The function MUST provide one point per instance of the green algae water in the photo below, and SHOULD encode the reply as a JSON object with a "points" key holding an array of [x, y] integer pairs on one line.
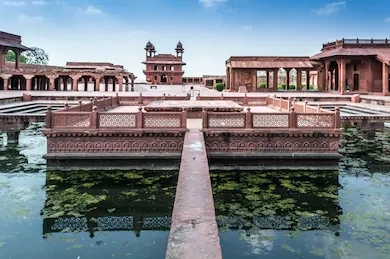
{"points": [[310, 214], [84, 215], [340, 214]]}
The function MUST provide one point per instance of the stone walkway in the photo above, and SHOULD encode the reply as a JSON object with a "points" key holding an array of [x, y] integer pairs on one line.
{"points": [[194, 230]]}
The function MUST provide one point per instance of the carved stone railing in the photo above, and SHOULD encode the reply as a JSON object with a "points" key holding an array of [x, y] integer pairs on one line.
{"points": [[242, 100], [281, 120], [144, 100], [356, 42], [281, 104], [102, 103], [112, 120]]}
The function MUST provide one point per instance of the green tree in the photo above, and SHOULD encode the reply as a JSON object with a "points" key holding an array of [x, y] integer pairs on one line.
{"points": [[34, 56], [12, 57]]}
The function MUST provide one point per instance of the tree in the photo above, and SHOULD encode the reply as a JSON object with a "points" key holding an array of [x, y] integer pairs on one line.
{"points": [[12, 57], [34, 56]]}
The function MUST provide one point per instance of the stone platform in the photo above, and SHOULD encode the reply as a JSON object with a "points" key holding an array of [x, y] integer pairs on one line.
{"points": [[194, 230], [194, 106]]}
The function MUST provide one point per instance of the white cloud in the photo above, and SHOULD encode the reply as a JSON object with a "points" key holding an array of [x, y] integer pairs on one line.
{"points": [[210, 3], [14, 3], [387, 19], [92, 10], [24, 17], [39, 2], [330, 8]]}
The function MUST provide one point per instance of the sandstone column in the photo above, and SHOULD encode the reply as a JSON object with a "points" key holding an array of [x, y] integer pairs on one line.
{"points": [[385, 78], [287, 78], [275, 78], [6, 81], [28, 81], [17, 59], [51, 82], [299, 80], [120, 81], [342, 75], [308, 79], [266, 79], [97, 84], [75, 83]]}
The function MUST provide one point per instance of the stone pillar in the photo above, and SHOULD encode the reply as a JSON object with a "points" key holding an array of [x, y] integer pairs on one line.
{"points": [[3, 52], [13, 137], [120, 81], [6, 81], [385, 78], [97, 84], [307, 79], [287, 78], [75, 83], [266, 79], [326, 86], [275, 83], [51, 83], [299, 80], [28, 82], [17, 60], [342, 75]]}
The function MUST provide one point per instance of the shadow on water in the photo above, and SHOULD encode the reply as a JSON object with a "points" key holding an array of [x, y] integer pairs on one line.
{"points": [[310, 214], [86, 215]]}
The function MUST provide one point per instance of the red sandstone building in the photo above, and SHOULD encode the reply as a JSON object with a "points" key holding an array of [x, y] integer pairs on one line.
{"points": [[164, 69], [19, 76], [360, 65]]}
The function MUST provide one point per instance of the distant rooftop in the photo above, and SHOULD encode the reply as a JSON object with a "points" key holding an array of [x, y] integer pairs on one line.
{"points": [[357, 43]]}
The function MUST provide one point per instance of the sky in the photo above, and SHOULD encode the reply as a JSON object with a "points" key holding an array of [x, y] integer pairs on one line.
{"points": [[116, 31]]}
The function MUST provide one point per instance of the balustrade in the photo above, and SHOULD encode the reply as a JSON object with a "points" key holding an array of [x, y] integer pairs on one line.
{"points": [[112, 120]]}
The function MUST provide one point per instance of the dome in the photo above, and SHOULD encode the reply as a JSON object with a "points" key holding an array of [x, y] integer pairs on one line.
{"points": [[179, 45], [100, 70], [149, 45]]}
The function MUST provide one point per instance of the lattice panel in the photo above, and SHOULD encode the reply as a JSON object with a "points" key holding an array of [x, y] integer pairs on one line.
{"points": [[71, 119], [113, 223], [162, 120], [117, 120], [129, 102], [315, 120], [157, 223], [270, 120], [226, 120], [71, 224]]}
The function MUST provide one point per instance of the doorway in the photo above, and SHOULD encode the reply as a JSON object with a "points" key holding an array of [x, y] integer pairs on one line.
{"points": [[163, 78], [356, 82]]}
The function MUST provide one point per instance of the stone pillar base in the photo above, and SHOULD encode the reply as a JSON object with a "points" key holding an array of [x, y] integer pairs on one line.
{"points": [[13, 137]]}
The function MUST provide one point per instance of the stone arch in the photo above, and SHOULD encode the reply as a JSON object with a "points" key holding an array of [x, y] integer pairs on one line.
{"points": [[63, 83], [281, 79], [109, 80], [334, 76], [40, 83], [17, 82], [164, 78], [293, 79]]}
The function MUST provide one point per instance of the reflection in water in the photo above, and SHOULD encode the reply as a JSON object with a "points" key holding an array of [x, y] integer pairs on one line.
{"points": [[80, 214], [258, 203], [108, 201], [260, 215], [289, 214]]}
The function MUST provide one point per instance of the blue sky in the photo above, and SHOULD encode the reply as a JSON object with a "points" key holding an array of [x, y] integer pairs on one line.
{"points": [[210, 30]]}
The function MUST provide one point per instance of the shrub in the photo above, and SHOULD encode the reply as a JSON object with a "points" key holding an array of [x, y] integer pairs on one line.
{"points": [[262, 85], [219, 87], [282, 87], [291, 87], [311, 87]]}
